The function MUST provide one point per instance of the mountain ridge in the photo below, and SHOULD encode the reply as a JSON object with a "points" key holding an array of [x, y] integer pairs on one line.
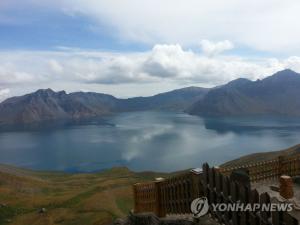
{"points": [[273, 95], [46, 104]]}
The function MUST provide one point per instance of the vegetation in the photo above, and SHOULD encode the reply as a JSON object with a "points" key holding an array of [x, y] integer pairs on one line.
{"points": [[52, 198], [46, 198], [263, 156]]}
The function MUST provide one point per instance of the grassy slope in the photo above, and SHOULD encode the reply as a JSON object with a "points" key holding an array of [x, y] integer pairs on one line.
{"points": [[258, 157], [81, 199]]}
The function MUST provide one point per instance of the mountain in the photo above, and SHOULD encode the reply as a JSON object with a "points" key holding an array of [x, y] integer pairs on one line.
{"points": [[45, 104], [274, 95], [176, 100]]}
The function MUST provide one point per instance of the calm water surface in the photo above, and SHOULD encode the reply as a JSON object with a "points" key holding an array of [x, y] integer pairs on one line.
{"points": [[159, 141]]}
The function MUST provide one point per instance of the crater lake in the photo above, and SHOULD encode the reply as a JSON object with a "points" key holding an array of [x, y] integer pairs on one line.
{"points": [[156, 141]]}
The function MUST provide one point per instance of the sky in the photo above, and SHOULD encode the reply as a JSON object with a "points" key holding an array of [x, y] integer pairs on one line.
{"points": [[142, 47]]}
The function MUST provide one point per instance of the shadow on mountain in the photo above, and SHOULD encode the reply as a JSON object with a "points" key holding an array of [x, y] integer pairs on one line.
{"points": [[54, 125], [240, 125]]}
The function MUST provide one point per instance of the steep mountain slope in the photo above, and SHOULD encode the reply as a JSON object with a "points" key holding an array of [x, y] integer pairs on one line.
{"points": [[44, 105], [100, 103], [177, 100], [274, 95]]}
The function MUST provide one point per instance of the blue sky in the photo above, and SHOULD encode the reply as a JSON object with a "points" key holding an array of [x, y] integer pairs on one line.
{"points": [[46, 29], [43, 30], [140, 47]]}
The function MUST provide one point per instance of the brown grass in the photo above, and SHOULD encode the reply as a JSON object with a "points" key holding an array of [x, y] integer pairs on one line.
{"points": [[83, 199]]}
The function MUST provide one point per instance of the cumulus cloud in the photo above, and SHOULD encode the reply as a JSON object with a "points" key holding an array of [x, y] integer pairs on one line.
{"points": [[168, 61], [214, 48], [163, 64]]}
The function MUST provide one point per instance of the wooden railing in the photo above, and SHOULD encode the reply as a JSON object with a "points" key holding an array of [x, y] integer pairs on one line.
{"points": [[146, 197], [169, 196], [218, 188], [174, 195], [178, 192]]}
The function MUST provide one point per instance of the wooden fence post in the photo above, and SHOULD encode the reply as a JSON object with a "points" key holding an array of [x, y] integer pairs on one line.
{"points": [[281, 169], [135, 199], [196, 186], [159, 209]]}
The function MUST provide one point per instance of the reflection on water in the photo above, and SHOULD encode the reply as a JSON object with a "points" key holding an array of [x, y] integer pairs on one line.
{"points": [[247, 124], [157, 141]]}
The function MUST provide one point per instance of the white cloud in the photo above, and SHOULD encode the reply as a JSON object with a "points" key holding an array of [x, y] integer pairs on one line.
{"points": [[210, 48], [268, 25], [164, 66], [4, 93], [10, 76], [55, 66]]}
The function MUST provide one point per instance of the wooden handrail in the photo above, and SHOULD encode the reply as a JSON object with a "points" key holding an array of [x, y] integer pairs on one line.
{"points": [[175, 194]]}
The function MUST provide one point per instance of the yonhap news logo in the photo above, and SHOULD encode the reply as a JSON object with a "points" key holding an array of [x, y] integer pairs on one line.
{"points": [[199, 207]]}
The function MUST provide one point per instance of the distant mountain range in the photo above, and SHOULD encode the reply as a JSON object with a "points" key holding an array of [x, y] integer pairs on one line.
{"points": [[47, 105], [278, 94]]}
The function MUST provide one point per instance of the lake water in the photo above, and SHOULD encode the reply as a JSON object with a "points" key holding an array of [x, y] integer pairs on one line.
{"points": [[157, 141]]}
